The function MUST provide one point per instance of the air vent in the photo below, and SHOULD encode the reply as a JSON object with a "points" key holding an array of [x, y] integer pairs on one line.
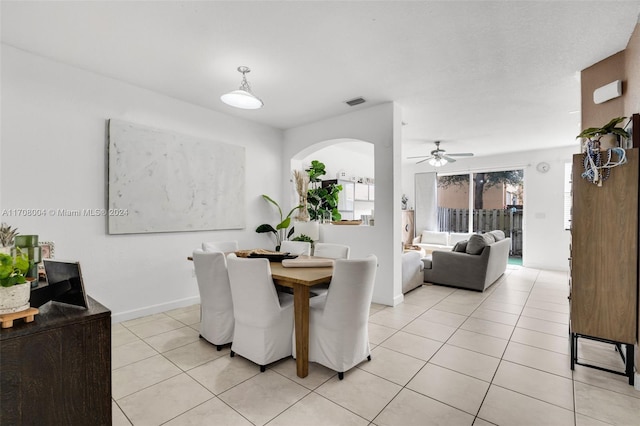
{"points": [[355, 101]]}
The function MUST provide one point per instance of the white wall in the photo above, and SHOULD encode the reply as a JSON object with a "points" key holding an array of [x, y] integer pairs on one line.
{"points": [[379, 125], [545, 242], [54, 157]]}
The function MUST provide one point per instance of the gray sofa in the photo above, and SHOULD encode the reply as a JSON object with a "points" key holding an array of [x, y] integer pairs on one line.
{"points": [[475, 264]]}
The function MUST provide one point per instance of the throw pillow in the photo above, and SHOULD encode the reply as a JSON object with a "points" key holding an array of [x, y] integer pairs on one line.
{"points": [[476, 244], [461, 246], [489, 238], [434, 237], [498, 235]]}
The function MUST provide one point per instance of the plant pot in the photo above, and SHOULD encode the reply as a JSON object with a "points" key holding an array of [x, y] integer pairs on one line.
{"points": [[15, 298]]}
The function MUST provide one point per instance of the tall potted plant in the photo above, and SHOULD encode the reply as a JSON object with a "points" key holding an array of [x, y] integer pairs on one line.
{"points": [[322, 201], [281, 231]]}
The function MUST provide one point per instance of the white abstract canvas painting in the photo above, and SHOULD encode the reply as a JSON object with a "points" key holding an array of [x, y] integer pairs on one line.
{"points": [[166, 182]]}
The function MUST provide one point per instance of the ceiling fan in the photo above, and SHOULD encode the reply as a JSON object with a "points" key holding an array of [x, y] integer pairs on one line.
{"points": [[438, 157]]}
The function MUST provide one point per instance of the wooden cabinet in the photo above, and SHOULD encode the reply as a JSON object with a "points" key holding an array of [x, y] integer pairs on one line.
{"points": [[604, 256], [57, 369]]}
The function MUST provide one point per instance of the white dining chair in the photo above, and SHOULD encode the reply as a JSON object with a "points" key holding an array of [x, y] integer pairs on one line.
{"points": [[223, 246], [296, 247], [332, 251], [338, 329], [263, 316], [216, 305]]}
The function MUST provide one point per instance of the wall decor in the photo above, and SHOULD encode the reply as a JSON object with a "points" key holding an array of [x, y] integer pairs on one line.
{"points": [[166, 182]]}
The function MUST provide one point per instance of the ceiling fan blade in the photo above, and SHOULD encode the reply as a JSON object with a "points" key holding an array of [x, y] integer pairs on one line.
{"points": [[426, 159], [418, 156], [462, 154], [449, 159]]}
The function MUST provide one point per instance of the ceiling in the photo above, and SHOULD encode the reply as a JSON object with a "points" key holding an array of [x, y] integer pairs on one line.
{"points": [[482, 76]]}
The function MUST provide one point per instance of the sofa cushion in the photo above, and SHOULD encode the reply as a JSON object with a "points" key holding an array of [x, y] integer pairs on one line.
{"points": [[477, 243], [434, 237], [455, 237], [498, 235], [461, 246]]}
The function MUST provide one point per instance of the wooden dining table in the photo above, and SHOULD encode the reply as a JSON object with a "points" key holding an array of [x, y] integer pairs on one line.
{"points": [[301, 280]]}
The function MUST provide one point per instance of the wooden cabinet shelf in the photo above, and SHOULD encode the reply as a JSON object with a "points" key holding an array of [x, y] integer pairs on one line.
{"points": [[604, 254]]}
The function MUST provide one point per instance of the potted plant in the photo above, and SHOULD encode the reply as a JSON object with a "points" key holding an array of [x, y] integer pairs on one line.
{"points": [[7, 234], [610, 132], [280, 231], [322, 202], [15, 290]]}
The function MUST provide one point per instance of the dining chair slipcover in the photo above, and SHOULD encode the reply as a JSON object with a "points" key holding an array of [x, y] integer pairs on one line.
{"points": [[296, 247], [223, 246], [264, 317], [338, 329], [216, 306], [332, 251]]}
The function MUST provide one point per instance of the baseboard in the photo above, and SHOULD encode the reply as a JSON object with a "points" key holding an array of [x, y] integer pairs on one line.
{"points": [[398, 299], [154, 309]]}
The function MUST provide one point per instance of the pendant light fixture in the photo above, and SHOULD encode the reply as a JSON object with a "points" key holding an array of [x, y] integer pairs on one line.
{"points": [[243, 97]]}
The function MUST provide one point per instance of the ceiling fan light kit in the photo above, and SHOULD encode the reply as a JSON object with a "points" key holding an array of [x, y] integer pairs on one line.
{"points": [[439, 158], [243, 97]]}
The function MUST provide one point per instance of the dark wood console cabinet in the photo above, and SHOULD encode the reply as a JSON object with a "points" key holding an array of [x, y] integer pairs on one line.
{"points": [[57, 369]]}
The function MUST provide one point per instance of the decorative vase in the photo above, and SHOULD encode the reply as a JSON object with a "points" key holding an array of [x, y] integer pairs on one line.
{"points": [[5, 249], [15, 298]]}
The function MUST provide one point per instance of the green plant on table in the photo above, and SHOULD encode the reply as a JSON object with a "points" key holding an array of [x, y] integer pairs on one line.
{"points": [[280, 231], [13, 269]]}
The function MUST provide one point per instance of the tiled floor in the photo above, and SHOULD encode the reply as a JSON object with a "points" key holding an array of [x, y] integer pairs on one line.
{"points": [[443, 357]]}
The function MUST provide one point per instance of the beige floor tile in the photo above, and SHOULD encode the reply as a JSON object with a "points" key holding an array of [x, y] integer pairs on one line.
{"points": [[390, 319], [505, 407], [467, 297], [599, 353], [582, 420], [410, 408], [130, 353], [502, 307], [556, 390], [155, 327], [188, 318], [375, 307], [407, 309], [195, 326], [423, 299], [543, 326], [392, 365], [449, 386], [456, 308], [605, 380], [490, 328], [379, 333], [139, 375], [360, 392], [430, 330], [479, 422], [264, 396], [562, 318], [175, 313], [318, 374], [412, 345], [495, 316], [541, 359], [442, 317], [120, 335], [172, 339], [467, 362], [211, 412], [518, 298], [314, 410], [542, 340], [224, 373], [142, 320], [164, 401], [605, 405], [562, 307], [194, 354], [117, 416], [482, 343]]}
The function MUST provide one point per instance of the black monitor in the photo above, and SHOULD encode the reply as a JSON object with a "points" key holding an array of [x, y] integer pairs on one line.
{"points": [[64, 283]]}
